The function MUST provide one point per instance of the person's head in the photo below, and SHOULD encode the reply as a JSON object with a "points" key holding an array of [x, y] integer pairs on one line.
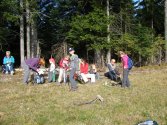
{"points": [[7, 53], [113, 61], [51, 60], [83, 61], [121, 53], [41, 62], [71, 51], [93, 66], [67, 57]]}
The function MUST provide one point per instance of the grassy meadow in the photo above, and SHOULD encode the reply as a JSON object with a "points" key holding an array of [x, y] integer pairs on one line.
{"points": [[48, 104]]}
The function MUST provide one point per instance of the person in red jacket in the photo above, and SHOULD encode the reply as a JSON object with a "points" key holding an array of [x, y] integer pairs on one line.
{"points": [[84, 67], [64, 66]]}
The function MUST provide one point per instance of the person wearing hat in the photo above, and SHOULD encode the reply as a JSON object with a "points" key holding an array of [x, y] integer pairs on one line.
{"points": [[8, 62], [74, 66]]}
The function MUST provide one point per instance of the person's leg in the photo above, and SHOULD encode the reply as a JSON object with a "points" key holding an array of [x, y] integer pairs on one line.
{"points": [[97, 76], [124, 78], [49, 76], [11, 69], [64, 76], [127, 79], [72, 80], [26, 73], [84, 77], [53, 76], [92, 77], [110, 75], [60, 75], [6, 69]]}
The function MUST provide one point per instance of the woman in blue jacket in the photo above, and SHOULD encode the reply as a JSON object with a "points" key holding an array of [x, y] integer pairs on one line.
{"points": [[8, 62]]}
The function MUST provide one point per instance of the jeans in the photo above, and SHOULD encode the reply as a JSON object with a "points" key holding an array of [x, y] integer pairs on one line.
{"points": [[26, 72], [51, 76], [72, 80], [9, 67], [125, 81]]}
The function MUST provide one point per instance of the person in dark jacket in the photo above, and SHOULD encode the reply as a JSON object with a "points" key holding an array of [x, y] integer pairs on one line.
{"points": [[31, 64], [74, 66]]}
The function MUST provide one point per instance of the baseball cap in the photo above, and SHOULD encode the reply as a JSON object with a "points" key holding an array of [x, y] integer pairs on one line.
{"points": [[70, 49]]}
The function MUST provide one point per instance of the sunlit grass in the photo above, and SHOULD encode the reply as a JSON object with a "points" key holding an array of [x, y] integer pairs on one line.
{"points": [[54, 105]]}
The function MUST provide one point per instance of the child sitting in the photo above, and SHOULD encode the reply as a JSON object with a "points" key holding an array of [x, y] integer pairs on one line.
{"points": [[93, 70]]}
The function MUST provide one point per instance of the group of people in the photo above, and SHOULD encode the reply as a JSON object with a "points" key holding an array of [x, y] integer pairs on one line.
{"points": [[70, 63], [113, 72]]}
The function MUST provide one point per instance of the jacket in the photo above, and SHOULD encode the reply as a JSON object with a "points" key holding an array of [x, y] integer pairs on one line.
{"points": [[33, 63], [8, 60], [84, 68]]}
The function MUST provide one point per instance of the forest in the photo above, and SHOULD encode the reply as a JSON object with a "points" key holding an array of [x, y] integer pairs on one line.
{"points": [[96, 29]]}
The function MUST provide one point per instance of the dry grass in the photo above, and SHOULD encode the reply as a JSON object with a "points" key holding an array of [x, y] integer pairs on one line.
{"points": [[49, 104]]}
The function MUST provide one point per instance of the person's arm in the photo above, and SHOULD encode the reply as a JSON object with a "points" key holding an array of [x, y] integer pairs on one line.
{"points": [[76, 62], [12, 59], [4, 61]]}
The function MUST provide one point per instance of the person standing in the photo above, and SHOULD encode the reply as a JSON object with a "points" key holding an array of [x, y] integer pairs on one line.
{"points": [[8, 62], [64, 65], [124, 59], [52, 68], [74, 66]]}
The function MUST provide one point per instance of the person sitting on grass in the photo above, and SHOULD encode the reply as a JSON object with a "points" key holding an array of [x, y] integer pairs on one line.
{"points": [[31, 64], [93, 70], [113, 72], [51, 73], [8, 62], [84, 72]]}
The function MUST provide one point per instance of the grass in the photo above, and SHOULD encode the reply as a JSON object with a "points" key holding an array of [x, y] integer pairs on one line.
{"points": [[54, 105]]}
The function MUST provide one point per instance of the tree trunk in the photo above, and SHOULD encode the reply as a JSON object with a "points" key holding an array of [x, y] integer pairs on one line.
{"points": [[140, 60], [28, 28], [34, 40], [102, 59], [165, 31], [160, 55], [21, 33], [97, 58], [108, 31]]}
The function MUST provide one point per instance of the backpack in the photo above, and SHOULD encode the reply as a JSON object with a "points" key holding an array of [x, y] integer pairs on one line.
{"points": [[39, 79], [130, 63]]}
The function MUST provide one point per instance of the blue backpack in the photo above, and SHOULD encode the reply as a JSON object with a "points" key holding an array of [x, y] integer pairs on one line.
{"points": [[130, 63], [39, 79]]}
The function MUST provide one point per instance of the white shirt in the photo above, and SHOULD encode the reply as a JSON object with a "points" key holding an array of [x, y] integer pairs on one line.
{"points": [[52, 67]]}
